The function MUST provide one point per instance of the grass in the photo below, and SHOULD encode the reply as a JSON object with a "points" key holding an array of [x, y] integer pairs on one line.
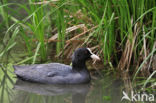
{"points": [[122, 32]]}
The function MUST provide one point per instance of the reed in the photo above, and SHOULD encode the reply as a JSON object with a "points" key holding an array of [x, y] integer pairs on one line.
{"points": [[120, 30]]}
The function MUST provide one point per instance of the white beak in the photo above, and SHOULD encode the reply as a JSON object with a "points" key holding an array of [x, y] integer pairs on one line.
{"points": [[93, 56]]}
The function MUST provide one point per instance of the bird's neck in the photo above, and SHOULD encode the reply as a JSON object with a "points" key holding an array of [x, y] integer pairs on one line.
{"points": [[78, 65]]}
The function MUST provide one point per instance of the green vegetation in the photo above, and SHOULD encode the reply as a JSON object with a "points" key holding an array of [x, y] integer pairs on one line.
{"points": [[121, 32]]}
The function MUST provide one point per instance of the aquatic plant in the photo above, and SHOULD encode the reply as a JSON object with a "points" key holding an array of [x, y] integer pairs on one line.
{"points": [[122, 32]]}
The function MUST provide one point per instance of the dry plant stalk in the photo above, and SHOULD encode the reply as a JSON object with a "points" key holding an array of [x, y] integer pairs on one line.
{"points": [[127, 54], [153, 59], [44, 2], [77, 36], [144, 69], [68, 30]]}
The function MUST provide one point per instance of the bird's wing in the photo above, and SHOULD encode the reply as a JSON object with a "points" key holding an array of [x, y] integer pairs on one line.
{"points": [[40, 71]]}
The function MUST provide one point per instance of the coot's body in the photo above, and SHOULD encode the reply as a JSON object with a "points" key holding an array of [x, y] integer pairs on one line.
{"points": [[56, 73], [53, 73]]}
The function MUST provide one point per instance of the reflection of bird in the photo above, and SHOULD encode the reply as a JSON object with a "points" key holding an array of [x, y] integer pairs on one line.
{"points": [[56, 73], [125, 96], [51, 90], [78, 91]]}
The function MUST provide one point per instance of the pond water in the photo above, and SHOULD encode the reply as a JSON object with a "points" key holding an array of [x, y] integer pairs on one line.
{"points": [[12, 90], [103, 89]]}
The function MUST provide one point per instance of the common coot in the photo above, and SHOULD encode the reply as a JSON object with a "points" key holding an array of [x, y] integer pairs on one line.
{"points": [[56, 73]]}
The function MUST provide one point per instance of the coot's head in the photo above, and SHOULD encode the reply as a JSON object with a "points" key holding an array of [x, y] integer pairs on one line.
{"points": [[81, 55]]}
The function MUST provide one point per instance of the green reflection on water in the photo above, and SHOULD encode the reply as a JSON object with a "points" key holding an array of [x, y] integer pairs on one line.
{"points": [[6, 83]]}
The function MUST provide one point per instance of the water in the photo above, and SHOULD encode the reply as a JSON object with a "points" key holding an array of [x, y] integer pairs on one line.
{"points": [[12, 90]]}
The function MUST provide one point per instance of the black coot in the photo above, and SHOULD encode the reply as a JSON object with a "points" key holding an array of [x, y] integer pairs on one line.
{"points": [[56, 73]]}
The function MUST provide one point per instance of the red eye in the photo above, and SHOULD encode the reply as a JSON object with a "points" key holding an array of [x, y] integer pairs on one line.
{"points": [[86, 52]]}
